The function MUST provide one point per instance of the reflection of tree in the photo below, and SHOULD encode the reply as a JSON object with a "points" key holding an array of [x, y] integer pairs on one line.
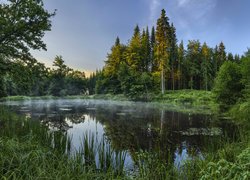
{"points": [[62, 121], [153, 131], [137, 128]]}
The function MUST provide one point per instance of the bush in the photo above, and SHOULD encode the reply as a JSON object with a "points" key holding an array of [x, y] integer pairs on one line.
{"points": [[229, 170], [228, 85]]}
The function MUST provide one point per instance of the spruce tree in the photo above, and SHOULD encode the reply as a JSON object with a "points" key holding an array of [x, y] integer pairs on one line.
{"points": [[134, 51], [206, 66], [222, 56], [181, 56], [152, 50], [173, 54], [163, 46], [146, 50]]}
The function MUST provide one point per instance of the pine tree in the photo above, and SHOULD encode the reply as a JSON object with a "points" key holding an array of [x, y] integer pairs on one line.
{"points": [[193, 63], [152, 53], [173, 54], [146, 50], [134, 51], [112, 64], [163, 46], [181, 56], [222, 56], [230, 57], [206, 66]]}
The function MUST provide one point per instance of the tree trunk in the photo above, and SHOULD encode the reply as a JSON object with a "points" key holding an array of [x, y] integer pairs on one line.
{"points": [[162, 81]]}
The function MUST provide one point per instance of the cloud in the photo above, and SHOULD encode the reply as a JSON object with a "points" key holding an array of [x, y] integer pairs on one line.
{"points": [[154, 9], [182, 2], [195, 11]]}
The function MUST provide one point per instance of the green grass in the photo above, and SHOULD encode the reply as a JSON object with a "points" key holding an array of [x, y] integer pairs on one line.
{"points": [[33, 152], [187, 101], [30, 152]]}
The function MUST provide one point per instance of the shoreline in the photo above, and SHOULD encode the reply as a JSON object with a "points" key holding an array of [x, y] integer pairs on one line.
{"points": [[186, 101]]}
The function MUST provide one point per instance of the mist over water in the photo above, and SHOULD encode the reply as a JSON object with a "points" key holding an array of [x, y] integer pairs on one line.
{"points": [[128, 126]]}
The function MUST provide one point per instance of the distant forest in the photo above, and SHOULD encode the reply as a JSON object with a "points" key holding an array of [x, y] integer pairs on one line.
{"points": [[151, 62], [154, 61]]}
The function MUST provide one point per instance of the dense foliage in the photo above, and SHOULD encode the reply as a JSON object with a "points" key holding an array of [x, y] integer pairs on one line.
{"points": [[154, 61], [151, 62], [232, 84], [23, 25]]}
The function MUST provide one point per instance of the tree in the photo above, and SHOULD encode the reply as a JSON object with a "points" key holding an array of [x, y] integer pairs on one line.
{"points": [[146, 50], [206, 69], [75, 83], [222, 55], [152, 48], [230, 57], [112, 64], [181, 56], [163, 46], [228, 85], [193, 63], [57, 85], [173, 54], [134, 51], [23, 23]]}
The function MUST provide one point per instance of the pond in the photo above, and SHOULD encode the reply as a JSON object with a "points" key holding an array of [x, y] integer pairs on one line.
{"points": [[130, 127]]}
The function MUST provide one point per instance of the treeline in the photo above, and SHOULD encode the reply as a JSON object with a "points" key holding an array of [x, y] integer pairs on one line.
{"points": [[154, 61], [32, 78]]}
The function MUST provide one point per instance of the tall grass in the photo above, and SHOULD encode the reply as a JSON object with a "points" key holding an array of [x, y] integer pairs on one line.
{"points": [[29, 150]]}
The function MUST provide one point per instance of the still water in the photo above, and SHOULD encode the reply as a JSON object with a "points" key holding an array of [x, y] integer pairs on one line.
{"points": [[130, 127]]}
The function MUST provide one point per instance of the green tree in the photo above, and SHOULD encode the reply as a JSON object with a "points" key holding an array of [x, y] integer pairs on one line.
{"points": [[152, 49], [180, 72], [146, 51], [173, 55], [112, 64], [134, 51], [193, 63], [163, 47], [228, 85], [23, 23], [57, 85], [222, 55], [206, 66], [230, 57], [75, 83]]}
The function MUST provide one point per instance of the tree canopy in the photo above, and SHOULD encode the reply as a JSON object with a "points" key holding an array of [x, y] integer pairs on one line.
{"points": [[23, 25]]}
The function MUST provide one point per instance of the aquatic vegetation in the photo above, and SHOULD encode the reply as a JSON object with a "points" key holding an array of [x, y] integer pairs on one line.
{"points": [[223, 169], [51, 150]]}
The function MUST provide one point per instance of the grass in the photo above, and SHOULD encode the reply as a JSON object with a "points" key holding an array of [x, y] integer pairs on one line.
{"points": [[187, 101], [33, 152]]}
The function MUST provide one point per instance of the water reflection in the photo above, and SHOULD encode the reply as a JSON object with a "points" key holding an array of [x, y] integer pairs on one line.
{"points": [[129, 126]]}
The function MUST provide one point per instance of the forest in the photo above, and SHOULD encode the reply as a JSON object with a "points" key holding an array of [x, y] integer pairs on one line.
{"points": [[150, 63]]}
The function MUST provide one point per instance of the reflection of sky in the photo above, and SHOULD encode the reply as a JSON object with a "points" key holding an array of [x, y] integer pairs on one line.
{"points": [[91, 127], [139, 116], [181, 155]]}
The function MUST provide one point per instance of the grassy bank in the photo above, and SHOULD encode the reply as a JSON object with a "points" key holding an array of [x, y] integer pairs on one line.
{"points": [[33, 152], [30, 152], [191, 101]]}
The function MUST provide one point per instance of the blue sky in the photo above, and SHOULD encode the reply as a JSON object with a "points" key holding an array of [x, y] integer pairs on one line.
{"points": [[83, 31]]}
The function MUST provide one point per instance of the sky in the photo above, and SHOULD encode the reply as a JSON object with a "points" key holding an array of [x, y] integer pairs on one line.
{"points": [[83, 31]]}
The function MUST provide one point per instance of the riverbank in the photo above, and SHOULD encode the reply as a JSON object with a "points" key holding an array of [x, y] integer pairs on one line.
{"points": [[231, 160], [191, 101], [31, 152]]}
